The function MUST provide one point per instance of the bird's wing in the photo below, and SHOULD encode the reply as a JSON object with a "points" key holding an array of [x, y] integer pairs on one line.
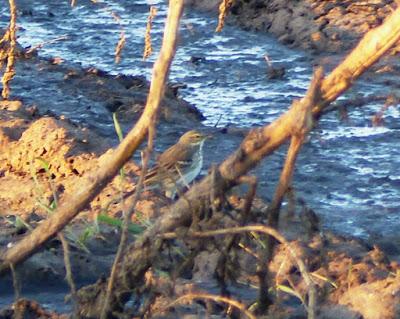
{"points": [[174, 155]]}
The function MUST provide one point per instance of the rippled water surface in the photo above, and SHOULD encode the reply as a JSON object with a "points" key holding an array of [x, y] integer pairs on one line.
{"points": [[348, 172]]}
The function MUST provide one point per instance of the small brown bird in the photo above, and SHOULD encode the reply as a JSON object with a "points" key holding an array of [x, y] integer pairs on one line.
{"points": [[179, 165]]}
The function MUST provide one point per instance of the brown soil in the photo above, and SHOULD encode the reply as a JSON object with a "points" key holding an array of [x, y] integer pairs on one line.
{"points": [[316, 26]]}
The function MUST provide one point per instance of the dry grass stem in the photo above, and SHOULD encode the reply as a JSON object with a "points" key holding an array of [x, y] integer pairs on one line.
{"points": [[10, 71], [251, 181], [291, 201], [213, 196], [231, 302], [41, 45], [4, 43], [119, 47], [223, 12], [148, 49], [122, 39]]}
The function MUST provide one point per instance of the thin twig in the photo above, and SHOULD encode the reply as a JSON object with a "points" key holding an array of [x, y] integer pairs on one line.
{"points": [[213, 197], [16, 283], [251, 181], [66, 252], [128, 216], [231, 302], [42, 44], [68, 270], [291, 200]]}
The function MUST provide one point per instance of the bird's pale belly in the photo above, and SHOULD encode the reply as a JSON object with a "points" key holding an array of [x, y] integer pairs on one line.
{"points": [[192, 174], [185, 179]]}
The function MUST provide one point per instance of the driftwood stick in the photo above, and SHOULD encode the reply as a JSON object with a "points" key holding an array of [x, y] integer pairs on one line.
{"points": [[299, 132], [91, 186], [259, 143]]}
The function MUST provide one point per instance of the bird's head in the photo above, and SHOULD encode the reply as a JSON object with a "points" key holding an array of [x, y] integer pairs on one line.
{"points": [[193, 137]]}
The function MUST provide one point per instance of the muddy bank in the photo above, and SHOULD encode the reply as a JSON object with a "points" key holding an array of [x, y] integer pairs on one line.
{"points": [[316, 26]]}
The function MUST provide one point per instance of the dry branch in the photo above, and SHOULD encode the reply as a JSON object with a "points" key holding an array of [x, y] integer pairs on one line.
{"points": [[259, 143], [91, 186]]}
